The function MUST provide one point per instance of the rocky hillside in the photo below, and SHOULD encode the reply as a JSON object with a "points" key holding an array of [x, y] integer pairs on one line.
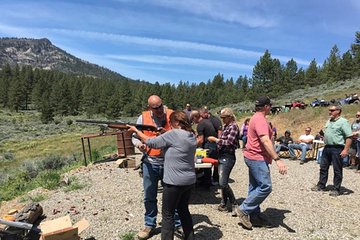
{"points": [[41, 53]]}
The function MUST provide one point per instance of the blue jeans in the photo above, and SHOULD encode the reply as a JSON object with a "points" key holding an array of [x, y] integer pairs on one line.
{"points": [[244, 140], [280, 147], [302, 147], [152, 174], [260, 186], [226, 164]]}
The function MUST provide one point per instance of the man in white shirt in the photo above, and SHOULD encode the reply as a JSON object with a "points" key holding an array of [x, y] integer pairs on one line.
{"points": [[304, 144]]}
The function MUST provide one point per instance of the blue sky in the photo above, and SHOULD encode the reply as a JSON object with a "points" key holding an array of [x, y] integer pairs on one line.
{"points": [[188, 40]]}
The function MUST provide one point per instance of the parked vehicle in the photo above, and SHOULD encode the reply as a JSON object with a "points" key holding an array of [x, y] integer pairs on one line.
{"points": [[298, 104], [319, 103], [352, 98]]}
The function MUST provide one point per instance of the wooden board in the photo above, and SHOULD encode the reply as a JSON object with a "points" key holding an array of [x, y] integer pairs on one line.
{"points": [[70, 233], [56, 224]]}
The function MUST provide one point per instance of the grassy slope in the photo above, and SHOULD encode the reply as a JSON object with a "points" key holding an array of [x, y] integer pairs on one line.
{"points": [[24, 138], [296, 120]]}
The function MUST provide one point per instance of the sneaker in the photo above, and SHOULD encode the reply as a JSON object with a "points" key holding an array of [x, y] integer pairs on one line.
{"points": [[334, 193], [317, 188], [145, 233], [222, 208], [302, 162], [244, 219], [293, 158], [233, 210], [260, 221]]}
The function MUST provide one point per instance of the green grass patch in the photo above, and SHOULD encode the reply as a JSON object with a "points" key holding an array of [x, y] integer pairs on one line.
{"points": [[75, 184], [128, 236], [35, 198]]}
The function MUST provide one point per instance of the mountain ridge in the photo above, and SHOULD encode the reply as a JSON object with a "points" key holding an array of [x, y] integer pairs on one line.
{"points": [[41, 53]]}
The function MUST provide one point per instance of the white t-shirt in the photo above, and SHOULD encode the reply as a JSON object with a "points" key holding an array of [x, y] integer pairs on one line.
{"points": [[305, 137]]}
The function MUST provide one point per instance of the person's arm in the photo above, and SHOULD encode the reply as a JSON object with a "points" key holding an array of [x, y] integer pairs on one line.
{"points": [[135, 138], [139, 133], [200, 140], [345, 151], [265, 140]]}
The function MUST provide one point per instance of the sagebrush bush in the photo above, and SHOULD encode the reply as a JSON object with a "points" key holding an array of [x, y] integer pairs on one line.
{"points": [[53, 162], [48, 179], [9, 156], [69, 122], [31, 169]]}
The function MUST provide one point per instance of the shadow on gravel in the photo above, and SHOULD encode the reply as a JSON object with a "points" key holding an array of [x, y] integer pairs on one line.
{"points": [[277, 217], [204, 194], [204, 228], [343, 190]]}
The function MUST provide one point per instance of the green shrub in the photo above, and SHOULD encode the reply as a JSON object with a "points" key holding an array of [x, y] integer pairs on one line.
{"points": [[53, 162], [128, 236], [75, 184], [69, 122], [9, 156], [15, 186], [48, 179], [95, 155], [31, 169]]}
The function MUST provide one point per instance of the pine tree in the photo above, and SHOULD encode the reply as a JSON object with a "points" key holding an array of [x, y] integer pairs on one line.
{"points": [[355, 50], [346, 67], [311, 74], [333, 67], [5, 79]]}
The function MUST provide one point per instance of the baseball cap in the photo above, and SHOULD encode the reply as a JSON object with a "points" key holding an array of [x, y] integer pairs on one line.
{"points": [[262, 101]]}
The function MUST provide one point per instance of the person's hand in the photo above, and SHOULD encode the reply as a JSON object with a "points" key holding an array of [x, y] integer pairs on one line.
{"points": [[141, 147], [132, 128], [281, 166], [343, 153], [212, 139]]}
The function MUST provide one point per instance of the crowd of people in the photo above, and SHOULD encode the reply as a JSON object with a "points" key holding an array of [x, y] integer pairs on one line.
{"points": [[168, 158]]}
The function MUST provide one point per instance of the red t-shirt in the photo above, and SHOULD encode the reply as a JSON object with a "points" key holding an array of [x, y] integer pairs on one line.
{"points": [[254, 149]]}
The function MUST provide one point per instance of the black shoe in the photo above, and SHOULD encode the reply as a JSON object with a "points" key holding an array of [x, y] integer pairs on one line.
{"points": [[302, 162], [222, 208], [334, 193], [179, 232], [259, 221], [293, 158], [317, 188]]}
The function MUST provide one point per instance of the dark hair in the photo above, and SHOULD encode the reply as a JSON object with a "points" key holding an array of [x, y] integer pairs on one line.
{"points": [[247, 120], [183, 120]]}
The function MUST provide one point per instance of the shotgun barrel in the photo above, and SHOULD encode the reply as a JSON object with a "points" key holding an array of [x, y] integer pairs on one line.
{"points": [[119, 125]]}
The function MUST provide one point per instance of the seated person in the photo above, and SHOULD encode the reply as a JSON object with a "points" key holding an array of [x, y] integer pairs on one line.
{"points": [[304, 143], [283, 142]]}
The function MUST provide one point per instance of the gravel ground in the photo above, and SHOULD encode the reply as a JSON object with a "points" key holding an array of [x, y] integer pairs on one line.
{"points": [[113, 204]]}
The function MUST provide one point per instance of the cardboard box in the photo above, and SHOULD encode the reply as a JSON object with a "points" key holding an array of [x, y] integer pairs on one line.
{"points": [[62, 229]]}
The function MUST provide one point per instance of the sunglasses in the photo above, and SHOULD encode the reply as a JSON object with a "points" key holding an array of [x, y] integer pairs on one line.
{"points": [[332, 110], [357, 115], [158, 107]]}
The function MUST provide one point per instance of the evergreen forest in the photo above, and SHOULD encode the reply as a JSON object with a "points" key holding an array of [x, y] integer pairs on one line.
{"points": [[56, 93]]}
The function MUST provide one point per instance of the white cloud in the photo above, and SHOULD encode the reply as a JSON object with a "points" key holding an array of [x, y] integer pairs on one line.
{"points": [[181, 61], [249, 13]]}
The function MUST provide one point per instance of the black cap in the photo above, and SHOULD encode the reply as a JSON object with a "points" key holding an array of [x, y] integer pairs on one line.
{"points": [[262, 101]]}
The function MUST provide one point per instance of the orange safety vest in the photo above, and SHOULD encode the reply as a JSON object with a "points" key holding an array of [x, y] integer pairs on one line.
{"points": [[147, 120]]}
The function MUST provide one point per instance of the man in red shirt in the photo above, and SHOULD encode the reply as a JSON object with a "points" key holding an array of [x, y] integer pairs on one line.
{"points": [[258, 154]]}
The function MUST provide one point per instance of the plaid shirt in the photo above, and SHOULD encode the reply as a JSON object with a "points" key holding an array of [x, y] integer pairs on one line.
{"points": [[229, 139]]}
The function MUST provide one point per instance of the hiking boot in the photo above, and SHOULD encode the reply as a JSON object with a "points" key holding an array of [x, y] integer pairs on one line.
{"points": [[222, 208], [293, 158], [234, 208], [302, 162], [317, 188], [259, 221], [334, 193], [145, 233], [244, 219]]}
